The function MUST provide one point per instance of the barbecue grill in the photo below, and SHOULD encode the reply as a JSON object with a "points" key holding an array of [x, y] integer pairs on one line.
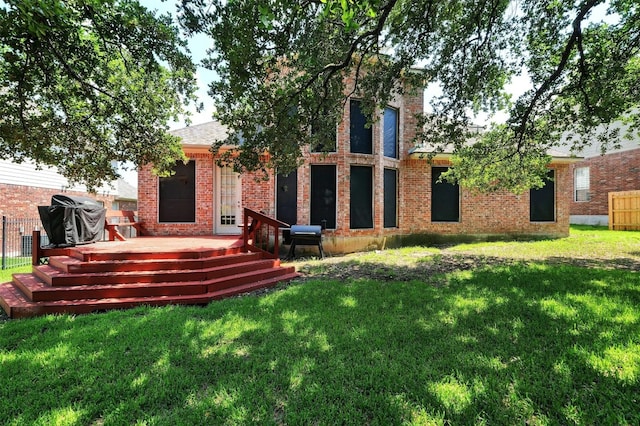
{"points": [[305, 235], [72, 220]]}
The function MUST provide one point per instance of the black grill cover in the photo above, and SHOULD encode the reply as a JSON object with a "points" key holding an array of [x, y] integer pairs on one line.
{"points": [[72, 220]]}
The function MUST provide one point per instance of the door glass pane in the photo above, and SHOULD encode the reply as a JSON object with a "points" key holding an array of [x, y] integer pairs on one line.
{"points": [[542, 206], [445, 198], [228, 196], [287, 198]]}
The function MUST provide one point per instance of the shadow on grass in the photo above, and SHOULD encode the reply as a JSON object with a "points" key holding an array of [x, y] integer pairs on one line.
{"points": [[502, 345]]}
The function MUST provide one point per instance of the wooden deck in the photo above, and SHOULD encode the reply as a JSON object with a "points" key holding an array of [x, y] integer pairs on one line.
{"points": [[140, 271]]}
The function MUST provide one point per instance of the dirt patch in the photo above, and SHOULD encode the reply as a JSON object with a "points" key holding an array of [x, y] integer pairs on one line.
{"points": [[422, 266], [350, 268]]}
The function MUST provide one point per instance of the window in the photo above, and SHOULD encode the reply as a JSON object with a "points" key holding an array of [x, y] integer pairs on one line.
{"points": [[390, 136], [581, 184], [359, 133], [390, 198], [445, 198], [177, 195], [542, 207], [361, 204], [325, 141], [323, 195], [287, 197]]}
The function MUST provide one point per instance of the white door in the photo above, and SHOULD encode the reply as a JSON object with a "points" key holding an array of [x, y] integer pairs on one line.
{"points": [[228, 201]]}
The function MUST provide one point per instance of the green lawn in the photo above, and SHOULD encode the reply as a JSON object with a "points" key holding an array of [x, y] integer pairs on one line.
{"points": [[456, 335]]}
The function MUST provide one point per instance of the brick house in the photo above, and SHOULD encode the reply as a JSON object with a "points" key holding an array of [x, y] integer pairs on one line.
{"points": [[376, 190], [597, 175]]}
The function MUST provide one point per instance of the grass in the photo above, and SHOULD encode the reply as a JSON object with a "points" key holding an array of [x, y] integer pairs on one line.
{"points": [[593, 243], [5, 274], [535, 341]]}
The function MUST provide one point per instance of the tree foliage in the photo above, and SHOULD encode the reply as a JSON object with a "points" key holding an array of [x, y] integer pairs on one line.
{"points": [[84, 83], [281, 67]]}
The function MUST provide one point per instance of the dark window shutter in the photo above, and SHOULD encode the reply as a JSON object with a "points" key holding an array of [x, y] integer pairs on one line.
{"points": [[542, 206], [177, 203], [361, 204], [323, 195], [445, 198]]}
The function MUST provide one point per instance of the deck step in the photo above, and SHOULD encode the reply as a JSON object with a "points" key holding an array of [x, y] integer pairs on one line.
{"points": [[55, 277], [96, 256], [36, 290], [75, 265], [79, 280], [17, 305]]}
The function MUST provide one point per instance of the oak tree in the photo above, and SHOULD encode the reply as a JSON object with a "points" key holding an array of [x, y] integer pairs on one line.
{"points": [[86, 83], [281, 66]]}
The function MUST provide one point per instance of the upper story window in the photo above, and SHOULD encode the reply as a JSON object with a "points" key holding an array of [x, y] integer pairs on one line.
{"points": [[360, 134], [325, 139], [581, 184], [326, 142], [390, 135]]}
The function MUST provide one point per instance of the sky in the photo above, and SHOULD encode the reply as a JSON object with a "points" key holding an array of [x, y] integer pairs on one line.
{"points": [[198, 46]]}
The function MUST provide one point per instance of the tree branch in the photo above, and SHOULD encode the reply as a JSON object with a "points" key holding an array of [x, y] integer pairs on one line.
{"points": [[330, 70], [566, 54]]}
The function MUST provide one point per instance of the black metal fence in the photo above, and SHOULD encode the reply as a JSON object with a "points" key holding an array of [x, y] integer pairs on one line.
{"points": [[16, 241]]}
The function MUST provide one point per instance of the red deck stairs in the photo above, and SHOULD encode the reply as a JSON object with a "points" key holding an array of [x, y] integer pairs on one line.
{"points": [[81, 282]]}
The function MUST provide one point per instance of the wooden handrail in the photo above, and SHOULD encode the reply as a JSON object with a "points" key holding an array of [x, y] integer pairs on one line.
{"points": [[38, 253], [257, 241]]}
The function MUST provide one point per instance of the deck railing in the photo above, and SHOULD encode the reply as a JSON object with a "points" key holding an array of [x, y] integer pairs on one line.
{"points": [[262, 233]]}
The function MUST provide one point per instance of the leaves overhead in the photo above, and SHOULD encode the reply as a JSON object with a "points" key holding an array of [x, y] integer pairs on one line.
{"points": [[88, 82], [281, 67]]}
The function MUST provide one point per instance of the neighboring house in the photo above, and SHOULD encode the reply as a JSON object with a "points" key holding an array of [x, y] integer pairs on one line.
{"points": [[375, 191], [597, 175], [125, 196], [24, 187]]}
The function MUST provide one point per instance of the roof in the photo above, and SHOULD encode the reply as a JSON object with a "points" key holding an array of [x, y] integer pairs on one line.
{"points": [[595, 148], [419, 151], [202, 135], [125, 191]]}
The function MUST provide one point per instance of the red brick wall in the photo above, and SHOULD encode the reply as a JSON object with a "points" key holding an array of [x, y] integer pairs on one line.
{"points": [[618, 171], [480, 214], [148, 200], [259, 194], [499, 213], [18, 201]]}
